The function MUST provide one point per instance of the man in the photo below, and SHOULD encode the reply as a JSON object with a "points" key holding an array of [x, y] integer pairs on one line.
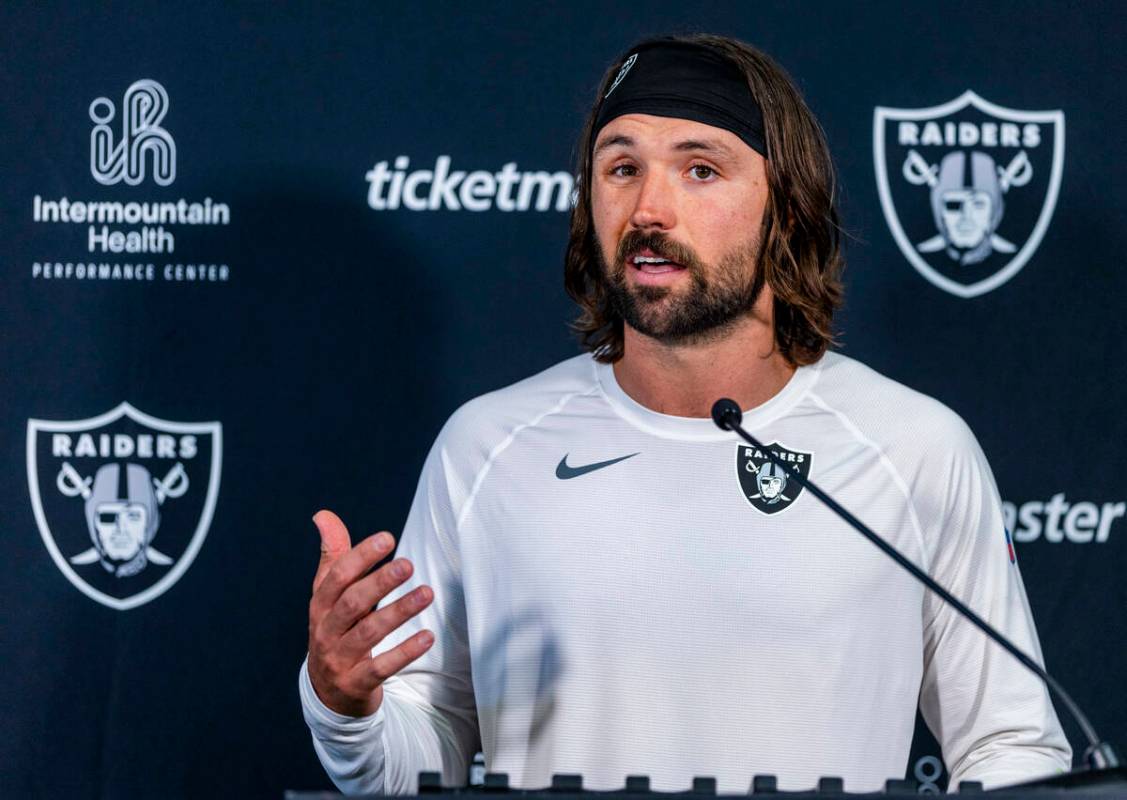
{"points": [[594, 591]]}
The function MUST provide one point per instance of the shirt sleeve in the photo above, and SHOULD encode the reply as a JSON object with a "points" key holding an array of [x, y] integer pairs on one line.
{"points": [[992, 717], [428, 719]]}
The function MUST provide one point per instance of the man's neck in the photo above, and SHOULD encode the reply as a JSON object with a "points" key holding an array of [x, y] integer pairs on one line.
{"points": [[685, 380]]}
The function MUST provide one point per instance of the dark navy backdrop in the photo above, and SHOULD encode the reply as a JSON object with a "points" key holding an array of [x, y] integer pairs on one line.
{"points": [[330, 339]]}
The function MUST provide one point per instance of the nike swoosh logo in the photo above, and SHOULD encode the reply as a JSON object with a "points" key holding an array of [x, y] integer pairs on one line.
{"points": [[564, 472]]}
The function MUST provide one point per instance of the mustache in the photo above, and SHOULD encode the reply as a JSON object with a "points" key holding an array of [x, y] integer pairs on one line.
{"points": [[661, 245]]}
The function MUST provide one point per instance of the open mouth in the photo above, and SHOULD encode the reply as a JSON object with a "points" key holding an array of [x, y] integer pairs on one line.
{"points": [[648, 262]]}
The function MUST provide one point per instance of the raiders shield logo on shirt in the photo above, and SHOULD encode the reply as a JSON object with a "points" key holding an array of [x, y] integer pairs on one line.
{"points": [[123, 500], [767, 486]]}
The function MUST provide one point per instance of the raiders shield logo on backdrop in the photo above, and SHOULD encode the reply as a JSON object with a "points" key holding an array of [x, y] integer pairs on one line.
{"points": [[123, 500], [767, 486], [968, 188]]}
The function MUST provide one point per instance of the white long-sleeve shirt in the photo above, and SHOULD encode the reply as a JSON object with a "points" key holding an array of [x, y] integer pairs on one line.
{"points": [[685, 612]]}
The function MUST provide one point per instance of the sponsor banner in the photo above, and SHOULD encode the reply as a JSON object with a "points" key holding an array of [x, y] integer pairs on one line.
{"points": [[131, 240], [444, 188], [1060, 520]]}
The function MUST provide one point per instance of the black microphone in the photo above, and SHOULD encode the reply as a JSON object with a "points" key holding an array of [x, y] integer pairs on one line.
{"points": [[727, 414], [1100, 755]]}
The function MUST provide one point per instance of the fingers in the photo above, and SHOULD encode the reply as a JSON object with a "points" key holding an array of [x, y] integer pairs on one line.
{"points": [[372, 628], [342, 626], [371, 672], [358, 599], [335, 542], [348, 568]]}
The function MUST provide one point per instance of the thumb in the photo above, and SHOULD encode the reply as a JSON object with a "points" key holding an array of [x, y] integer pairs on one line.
{"points": [[334, 542]]}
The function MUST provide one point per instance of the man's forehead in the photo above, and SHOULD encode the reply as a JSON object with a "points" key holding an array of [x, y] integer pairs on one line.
{"points": [[670, 133]]}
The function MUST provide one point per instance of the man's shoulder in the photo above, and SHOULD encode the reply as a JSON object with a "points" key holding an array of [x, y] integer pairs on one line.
{"points": [[885, 410], [488, 419]]}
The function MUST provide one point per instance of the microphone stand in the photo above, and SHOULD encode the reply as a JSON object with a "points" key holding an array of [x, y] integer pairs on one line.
{"points": [[1099, 757]]}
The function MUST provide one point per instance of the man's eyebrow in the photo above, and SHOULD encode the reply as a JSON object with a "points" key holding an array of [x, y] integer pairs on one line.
{"points": [[707, 145], [622, 140], [688, 145]]}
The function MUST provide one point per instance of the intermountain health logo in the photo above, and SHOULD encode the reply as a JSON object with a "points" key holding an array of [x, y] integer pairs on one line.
{"points": [[142, 109], [968, 187], [123, 500], [122, 236]]}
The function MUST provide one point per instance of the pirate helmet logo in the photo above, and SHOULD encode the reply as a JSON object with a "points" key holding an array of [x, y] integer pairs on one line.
{"points": [[968, 202], [772, 482], [990, 177], [106, 543], [766, 485], [123, 514]]}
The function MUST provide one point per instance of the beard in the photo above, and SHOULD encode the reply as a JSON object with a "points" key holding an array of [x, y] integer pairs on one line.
{"points": [[717, 297]]}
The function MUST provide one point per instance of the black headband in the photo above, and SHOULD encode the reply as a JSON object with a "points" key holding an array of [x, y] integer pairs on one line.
{"points": [[687, 81]]}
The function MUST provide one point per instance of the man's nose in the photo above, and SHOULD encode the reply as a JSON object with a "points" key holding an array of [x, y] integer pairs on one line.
{"points": [[654, 206]]}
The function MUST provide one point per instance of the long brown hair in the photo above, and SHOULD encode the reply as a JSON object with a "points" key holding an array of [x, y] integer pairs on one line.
{"points": [[800, 253]]}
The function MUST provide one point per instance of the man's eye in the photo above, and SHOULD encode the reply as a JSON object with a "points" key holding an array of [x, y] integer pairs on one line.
{"points": [[624, 170], [702, 171], [107, 518]]}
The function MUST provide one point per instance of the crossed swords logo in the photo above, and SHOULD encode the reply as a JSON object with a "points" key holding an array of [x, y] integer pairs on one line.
{"points": [[919, 173], [72, 484]]}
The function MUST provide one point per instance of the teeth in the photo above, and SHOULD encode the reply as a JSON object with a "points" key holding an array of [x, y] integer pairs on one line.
{"points": [[650, 260]]}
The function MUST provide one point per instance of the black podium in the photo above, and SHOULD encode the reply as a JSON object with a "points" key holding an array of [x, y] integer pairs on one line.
{"points": [[1079, 785]]}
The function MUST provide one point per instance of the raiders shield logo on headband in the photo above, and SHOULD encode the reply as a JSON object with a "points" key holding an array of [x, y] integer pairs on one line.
{"points": [[766, 485], [968, 188], [123, 500]]}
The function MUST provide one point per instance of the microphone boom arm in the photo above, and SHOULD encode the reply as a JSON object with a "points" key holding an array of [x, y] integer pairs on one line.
{"points": [[1099, 755]]}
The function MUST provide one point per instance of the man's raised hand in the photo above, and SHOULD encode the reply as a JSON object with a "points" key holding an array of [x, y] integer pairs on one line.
{"points": [[343, 628]]}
